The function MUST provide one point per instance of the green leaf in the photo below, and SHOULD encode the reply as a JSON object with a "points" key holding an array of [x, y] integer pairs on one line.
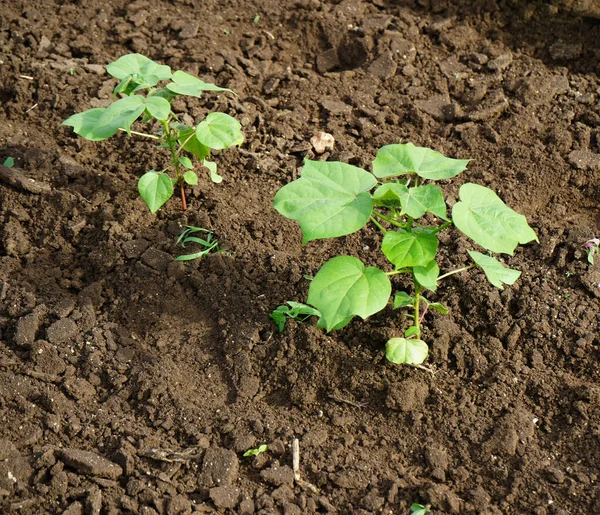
{"points": [[402, 299], [137, 64], [343, 288], [212, 168], [9, 162], [186, 162], [219, 131], [192, 145], [409, 249], [419, 509], [296, 310], [329, 199], [406, 351], [86, 122], [190, 177], [413, 330], [158, 107], [484, 218], [427, 275], [400, 159], [437, 306], [255, 452], [186, 84], [421, 199], [495, 271], [155, 189], [388, 194]]}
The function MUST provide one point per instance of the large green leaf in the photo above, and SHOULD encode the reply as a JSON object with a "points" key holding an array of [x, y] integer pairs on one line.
{"points": [[86, 122], [343, 288], [409, 249], [98, 125], [484, 218], [329, 199], [496, 272], [155, 189], [137, 64], [427, 275], [219, 131], [186, 84], [399, 159], [406, 351]]}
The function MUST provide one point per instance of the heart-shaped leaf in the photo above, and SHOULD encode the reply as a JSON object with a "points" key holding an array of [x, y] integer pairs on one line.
{"points": [[219, 131], [158, 107], [86, 123], [427, 275], [406, 351], [137, 64], [496, 272], [343, 288], [409, 249], [400, 159], [155, 189], [186, 84], [329, 199], [484, 218]]}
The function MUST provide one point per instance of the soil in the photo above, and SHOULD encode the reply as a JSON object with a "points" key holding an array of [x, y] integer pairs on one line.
{"points": [[133, 383]]}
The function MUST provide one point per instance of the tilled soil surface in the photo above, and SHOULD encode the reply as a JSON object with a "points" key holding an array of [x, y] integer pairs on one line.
{"points": [[133, 383]]}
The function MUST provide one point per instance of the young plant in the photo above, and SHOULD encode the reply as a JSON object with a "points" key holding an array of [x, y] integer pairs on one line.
{"points": [[419, 509], [333, 199], [9, 162], [251, 453], [592, 247], [296, 310], [208, 245], [139, 74]]}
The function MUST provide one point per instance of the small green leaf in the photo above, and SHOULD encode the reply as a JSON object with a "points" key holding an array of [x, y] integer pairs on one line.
{"points": [[388, 194], [186, 162], [413, 330], [219, 131], [187, 138], [427, 275], [484, 218], [155, 189], [329, 199], [495, 271], [190, 177], [419, 509], [437, 306], [400, 159], [343, 288], [406, 351], [409, 249], [421, 199], [137, 64], [255, 452], [402, 299], [297, 310], [9, 162], [186, 84], [212, 168], [158, 107]]}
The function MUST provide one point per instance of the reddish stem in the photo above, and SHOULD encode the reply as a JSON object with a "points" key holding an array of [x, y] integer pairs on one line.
{"points": [[182, 193]]}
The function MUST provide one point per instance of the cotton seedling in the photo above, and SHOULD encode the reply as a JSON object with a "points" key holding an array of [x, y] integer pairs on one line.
{"points": [[400, 199], [138, 74], [296, 310], [592, 247], [251, 453], [208, 244]]}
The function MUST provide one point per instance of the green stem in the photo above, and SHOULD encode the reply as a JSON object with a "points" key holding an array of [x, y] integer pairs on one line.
{"points": [[388, 219], [185, 143], [443, 226], [416, 317], [379, 226], [454, 272], [396, 272], [171, 143], [143, 134]]}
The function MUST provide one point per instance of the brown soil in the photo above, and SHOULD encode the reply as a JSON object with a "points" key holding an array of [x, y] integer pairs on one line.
{"points": [[131, 383]]}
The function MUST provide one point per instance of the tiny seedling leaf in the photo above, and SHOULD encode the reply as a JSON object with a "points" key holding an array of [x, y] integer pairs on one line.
{"points": [[250, 453], [9, 162], [402, 299], [329, 199], [219, 131], [419, 509], [190, 177], [484, 218], [427, 275], [409, 249], [400, 159], [496, 272], [437, 306], [186, 84], [296, 310], [406, 351], [186, 162], [343, 288], [212, 168], [155, 189]]}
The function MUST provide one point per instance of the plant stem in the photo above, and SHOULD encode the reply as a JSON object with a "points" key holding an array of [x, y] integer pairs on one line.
{"points": [[396, 272], [443, 226], [185, 143], [388, 220], [455, 272], [379, 226], [416, 317], [171, 142], [143, 134]]}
